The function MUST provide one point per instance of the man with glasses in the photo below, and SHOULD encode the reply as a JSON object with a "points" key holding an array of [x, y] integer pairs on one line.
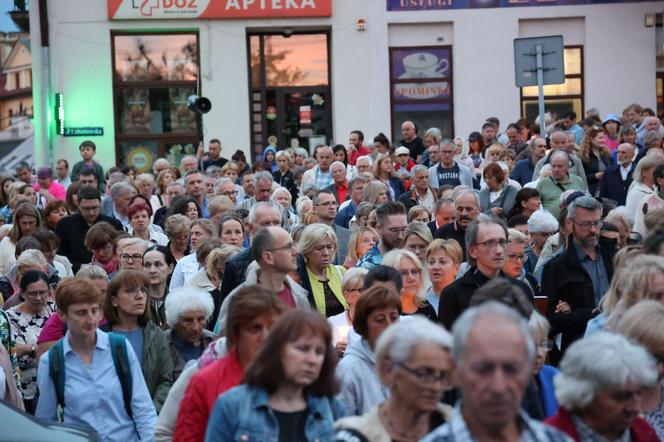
{"points": [[523, 169], [486, 241], [325, 208], [364, 165], [226, 187], [422, 194], [448, 170], [348, 209], [576, 279], [493, 359], [275, 256], [71, 229], [392, 223]]}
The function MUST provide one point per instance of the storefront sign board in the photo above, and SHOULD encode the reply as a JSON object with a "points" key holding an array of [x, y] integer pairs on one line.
{"points": [[427, 5], [216, 9]]}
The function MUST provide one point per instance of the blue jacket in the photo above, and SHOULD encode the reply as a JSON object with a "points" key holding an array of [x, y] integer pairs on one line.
{"points": [[243, 413], [613, 186], [547, 391], [523, 171]]}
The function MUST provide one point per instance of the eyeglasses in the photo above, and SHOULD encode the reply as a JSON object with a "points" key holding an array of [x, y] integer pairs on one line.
{"points": [[425, 375], [328, 204], [588, 225], [355, 289], [289, 246], [136, 290], [397, 230], [126, 257], [492, 243], [516, 258], [412, 272], [231, 193], [37, 294]]}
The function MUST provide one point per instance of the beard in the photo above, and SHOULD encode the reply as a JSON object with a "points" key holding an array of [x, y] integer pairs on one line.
{"points": [[393, 244]]}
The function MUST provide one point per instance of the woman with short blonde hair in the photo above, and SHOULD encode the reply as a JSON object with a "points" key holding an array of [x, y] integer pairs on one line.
{"points": [[443, 259], [375, 192], [413, 294]]}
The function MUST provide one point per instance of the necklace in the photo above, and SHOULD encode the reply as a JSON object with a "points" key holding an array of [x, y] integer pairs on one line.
{"points": [[393, 430]]}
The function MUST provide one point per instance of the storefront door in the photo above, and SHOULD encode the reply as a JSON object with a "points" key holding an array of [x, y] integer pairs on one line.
{"points": [[290, 97]]}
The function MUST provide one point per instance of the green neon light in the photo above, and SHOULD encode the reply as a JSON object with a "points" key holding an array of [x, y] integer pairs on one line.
{"points": [[59, 114]]}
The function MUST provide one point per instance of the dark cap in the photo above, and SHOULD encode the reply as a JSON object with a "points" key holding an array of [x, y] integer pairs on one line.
{"points": [[573, 196]]}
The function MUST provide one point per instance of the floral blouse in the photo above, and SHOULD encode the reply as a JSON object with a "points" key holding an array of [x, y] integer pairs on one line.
{"points": [[25, 329], [8, 342]]}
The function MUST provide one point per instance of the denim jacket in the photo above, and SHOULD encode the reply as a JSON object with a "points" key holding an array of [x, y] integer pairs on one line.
{"points": [[243, 414]]}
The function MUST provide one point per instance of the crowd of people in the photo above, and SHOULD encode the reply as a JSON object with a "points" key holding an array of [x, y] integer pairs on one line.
{"points": [[504, 286]]}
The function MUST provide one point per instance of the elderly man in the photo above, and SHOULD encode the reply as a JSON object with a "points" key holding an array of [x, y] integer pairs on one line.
{"points": [[194, 186], [650, 124], [516, 144], [226, 187], [325, 208], [560, 181], [422, 194], [599, 390], [392, 223], [364, 165], [486, 239], [448, 170], [188, 163], [339, 186], [493, 354], [275, 256], [411, 140], [467, 206], [320, 175], [348, 209], [558, 141], [159, 166], [434, 155], [575, 280], [121, 195], [618, 178], [523, 169]]}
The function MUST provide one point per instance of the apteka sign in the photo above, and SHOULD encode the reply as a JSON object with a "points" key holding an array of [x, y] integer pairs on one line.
{"points": [[216, 9]]}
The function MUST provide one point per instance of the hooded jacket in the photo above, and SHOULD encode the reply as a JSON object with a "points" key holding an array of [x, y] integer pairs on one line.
{"points": [[273, 163], [361, 390]]}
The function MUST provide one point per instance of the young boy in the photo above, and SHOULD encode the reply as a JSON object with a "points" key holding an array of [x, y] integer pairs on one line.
{"points": [[88, 151]]}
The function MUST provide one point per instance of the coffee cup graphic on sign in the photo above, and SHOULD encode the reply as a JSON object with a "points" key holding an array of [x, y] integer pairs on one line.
{"points": [[424, 65]]}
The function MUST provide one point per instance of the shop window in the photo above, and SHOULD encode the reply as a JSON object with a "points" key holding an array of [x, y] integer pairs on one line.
{"points": [[153, 74], [558, 98], [421, 88], [659, 60]]}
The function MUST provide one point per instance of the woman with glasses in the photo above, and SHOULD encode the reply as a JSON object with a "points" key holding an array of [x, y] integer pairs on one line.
{"points": [[442, 259], [413, 294], [27, 320], [515, 257], [342, 324], [414, 360], [127, 310], [318, 275]]}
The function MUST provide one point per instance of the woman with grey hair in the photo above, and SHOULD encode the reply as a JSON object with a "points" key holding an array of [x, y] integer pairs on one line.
{"points": [[284, 198], [352, 285], [318, 274], [187, 312], [414, 360], [599, 390], [642, 184], [301, 154], [541, 225]]}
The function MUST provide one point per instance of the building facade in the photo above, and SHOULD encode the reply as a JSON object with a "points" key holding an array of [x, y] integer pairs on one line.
{"points": [[307, 72]]}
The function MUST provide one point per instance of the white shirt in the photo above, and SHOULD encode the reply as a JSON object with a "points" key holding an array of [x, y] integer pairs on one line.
{"points": [[625, 171], [184, 270]]}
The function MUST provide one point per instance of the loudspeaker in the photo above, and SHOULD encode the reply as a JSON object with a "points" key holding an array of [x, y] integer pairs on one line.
{"points": [[200, 105]]}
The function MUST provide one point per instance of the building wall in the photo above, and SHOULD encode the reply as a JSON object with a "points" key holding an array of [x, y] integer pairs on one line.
{"points": [[619, 64]]}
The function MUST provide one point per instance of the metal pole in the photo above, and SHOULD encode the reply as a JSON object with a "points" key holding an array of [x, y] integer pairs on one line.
{"points": [[540, 89]]}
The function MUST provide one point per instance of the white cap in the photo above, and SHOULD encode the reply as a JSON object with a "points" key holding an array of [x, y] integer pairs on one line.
{"points": [[402, 151]]}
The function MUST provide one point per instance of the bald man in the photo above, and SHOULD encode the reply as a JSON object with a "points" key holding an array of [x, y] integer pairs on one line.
{"points": [[320, 175], [618, 177], [411, 140]]}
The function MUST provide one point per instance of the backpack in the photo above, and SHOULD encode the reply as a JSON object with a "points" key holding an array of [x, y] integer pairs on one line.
{"points": [[56, 368]]}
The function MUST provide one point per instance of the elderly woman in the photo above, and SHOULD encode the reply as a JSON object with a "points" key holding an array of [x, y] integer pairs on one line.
{"points": [[413, 294], [27, 320], [187, 311], [251, 314], [178, 229], [384, 172], [317, 273], [158, 265], [375, 192], [515, 257], [643, 183], [644, 324], [419, 213], [99, 240], [361, 241], [139, 215], [541, 225], [461, 155], [283, 176], [498, 196], [145, 186], [599, 390], [361, 390], [29, 259], [443, 258], [25, 220], [288, 391], [418, 237], [284, 198], [414, 360], [638, 277], [127, 310], [342, 324], [543, 374]]}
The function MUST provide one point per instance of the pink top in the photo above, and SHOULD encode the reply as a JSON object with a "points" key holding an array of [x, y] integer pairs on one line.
{"points": [[610, 143], [54, 329], [56, 189]]}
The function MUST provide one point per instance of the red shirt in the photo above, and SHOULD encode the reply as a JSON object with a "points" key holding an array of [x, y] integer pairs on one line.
{"points": [[354, 155], [202, 392], [342, 192], [287, 296]]}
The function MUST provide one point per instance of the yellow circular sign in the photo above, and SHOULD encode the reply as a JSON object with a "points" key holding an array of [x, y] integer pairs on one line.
{"points": [[141, 158]]}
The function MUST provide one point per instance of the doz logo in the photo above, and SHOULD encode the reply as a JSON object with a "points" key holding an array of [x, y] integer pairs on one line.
{"points": [[148, 7]]}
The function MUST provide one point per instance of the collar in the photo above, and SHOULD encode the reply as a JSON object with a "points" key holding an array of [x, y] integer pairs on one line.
{"points": [[587, 433], [345, 185], [103, 342], [261, 401], [581, 254], [460, 430]]}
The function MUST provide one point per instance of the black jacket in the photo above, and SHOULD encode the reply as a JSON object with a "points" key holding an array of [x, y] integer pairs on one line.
{"points": [[591, 168], [565, 279], [71, 230], [455, 298], [613, 186], [452, 231], [235, 272]]}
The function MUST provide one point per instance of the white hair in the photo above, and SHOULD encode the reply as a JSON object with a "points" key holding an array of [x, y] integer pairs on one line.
{"points": [[301, 201], [220, 182], [263, 204], [542, 221], [598, 362], [462, 327], [182, 300], [353, 274], [364, 157], [337, 163], [32, 258], [158, 162], [281, 190]]}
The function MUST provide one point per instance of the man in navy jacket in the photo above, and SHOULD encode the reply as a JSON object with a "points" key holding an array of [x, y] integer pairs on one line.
{"points": [[618, 177]]}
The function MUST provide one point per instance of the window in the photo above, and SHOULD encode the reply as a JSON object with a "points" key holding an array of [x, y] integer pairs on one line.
{"points": [[659, 51], [421, 88], [558, 98], [153, 75]]}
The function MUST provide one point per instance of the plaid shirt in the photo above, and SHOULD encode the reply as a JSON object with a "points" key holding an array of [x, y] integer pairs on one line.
{"points": [[531, 431], [323, 179]]}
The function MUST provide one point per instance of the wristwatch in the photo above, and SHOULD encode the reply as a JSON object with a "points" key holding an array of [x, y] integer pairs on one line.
{"points": [[33, 351]]}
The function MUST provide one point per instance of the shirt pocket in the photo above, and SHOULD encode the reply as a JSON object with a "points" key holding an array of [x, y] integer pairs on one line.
{"points": [[246, 434]]}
